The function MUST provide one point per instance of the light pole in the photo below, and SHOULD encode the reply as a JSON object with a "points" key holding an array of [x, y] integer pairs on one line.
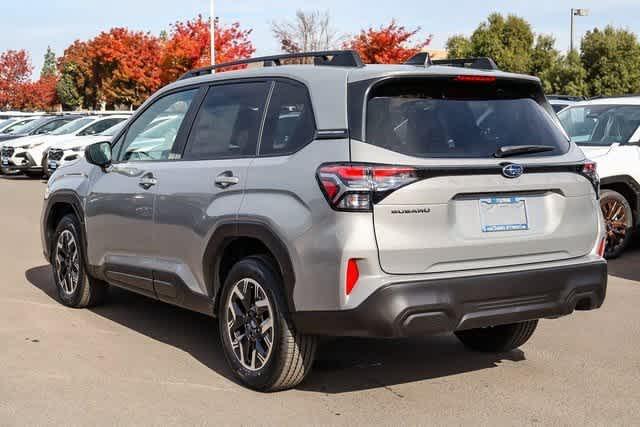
{"points": [[574, 13], [212, 24]]}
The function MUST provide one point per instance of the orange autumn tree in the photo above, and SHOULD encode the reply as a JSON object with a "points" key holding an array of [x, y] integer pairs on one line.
{"points": [[390, 44], [188, 46], [125, 66], [15, 71]]}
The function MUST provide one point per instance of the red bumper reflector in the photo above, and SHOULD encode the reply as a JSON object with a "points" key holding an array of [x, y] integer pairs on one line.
{"points": [[352, 275], [602, 246]]}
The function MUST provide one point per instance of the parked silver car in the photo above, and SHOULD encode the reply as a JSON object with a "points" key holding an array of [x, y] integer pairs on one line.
{"points": [[295, 201]]}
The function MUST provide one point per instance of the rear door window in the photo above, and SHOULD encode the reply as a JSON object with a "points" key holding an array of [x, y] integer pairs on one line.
{"points": [[447, 118], [228, 123], [290, 124]]}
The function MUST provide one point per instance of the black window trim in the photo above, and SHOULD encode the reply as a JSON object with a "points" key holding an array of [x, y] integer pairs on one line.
{"points": [[313, 116], [212, 85], [178, 143]]}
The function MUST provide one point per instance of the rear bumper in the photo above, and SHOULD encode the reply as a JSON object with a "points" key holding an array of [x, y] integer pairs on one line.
{"points": [[438, 306]]}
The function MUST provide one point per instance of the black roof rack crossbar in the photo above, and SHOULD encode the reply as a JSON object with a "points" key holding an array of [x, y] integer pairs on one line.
{"points": [[334, 58], [481, 63]]}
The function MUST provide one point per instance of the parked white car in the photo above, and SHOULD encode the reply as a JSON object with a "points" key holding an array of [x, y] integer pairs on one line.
{"points": [[12, 125], [608, 131], [72, 149], [27, 155]]}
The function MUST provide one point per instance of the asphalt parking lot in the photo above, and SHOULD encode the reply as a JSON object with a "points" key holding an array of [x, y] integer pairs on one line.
{"points": [[137, 361]]}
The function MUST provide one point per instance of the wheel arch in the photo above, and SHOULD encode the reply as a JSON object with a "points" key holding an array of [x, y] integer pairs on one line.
{"points": [[233, 241], [59, 205], [628, 187]]}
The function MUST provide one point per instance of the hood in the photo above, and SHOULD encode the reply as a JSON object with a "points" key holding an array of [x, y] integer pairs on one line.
{"points": [[77, 141], [45, 140], [594, 152]]}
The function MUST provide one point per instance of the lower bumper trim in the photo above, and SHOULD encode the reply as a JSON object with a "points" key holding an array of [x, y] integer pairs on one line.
{"points": [[447, 305]]}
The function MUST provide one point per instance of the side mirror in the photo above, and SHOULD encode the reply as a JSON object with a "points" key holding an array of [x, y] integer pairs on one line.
{"points": [[99, 154]]}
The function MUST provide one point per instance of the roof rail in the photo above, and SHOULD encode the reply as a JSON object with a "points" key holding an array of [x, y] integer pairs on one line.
{"points": [[333, 58], [631, 95], [566, 97], [480, 63]]}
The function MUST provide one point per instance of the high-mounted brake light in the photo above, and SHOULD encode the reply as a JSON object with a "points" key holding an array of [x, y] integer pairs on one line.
{"points": [[475, 79], [356, 187]]}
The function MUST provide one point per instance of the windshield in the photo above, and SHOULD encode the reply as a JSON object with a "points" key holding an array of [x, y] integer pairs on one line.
{"points": [[446, 118], [73, 126], [113, 129], [601, 124], [31, 126]]}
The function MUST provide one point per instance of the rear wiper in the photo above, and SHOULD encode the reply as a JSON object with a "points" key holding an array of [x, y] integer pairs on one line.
{"points": [[516, 150]]}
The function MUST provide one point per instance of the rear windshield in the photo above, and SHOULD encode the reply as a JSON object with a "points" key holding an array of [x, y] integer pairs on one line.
{"points": [[601, 124], [447, 118]]}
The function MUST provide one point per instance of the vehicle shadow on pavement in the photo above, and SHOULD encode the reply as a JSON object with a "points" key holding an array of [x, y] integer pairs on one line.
{"points": [[628, 265], [342, 364]]}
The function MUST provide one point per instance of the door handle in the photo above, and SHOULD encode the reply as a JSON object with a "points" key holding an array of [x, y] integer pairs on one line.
{"points": [[147, 181], [226, 179]]}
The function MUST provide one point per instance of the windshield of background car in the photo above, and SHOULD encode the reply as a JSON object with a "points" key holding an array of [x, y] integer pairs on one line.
{"points": [[601, 124], [33, 125], [444, 117], [113, 129], [73, 126]]}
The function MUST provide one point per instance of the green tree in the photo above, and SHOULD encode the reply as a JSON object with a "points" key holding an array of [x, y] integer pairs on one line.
{"points": [[67, 87], [611, 58], [566, 76], [544, 55], [49, 65], [508, 41], [459, 46]]}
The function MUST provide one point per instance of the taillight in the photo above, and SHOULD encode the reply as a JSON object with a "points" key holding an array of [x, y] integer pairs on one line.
{"points": [[353, 274], [590, 171], [601, 247], [356, 187]]}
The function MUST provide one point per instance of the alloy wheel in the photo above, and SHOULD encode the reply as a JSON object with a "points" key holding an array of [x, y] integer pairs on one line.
{"points": [[250, 324], [67, 262], [616, 221]]}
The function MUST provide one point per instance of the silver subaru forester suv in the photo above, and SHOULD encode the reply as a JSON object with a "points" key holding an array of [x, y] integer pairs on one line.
{"points": [[317, 196]]}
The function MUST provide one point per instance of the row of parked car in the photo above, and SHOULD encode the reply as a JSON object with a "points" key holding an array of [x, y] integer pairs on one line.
{"points": [[38, 145]]}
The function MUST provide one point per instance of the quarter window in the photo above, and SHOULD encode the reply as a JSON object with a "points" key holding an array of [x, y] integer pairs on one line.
{"points": [[152, 135], [228, 123], [290, 124]]}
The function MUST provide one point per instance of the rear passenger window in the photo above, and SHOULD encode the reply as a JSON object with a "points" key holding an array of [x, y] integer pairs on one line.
{"points": [[290, 124], [228, 122]]}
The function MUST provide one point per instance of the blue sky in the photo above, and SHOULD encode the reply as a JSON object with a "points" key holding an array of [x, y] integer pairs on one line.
{"points": [[34, 24]]}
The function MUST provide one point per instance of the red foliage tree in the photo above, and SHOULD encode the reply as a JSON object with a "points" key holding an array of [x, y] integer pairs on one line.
{"points": [[387, 45], [15, 70], [188, 46], [39, 95], [125, 66]]}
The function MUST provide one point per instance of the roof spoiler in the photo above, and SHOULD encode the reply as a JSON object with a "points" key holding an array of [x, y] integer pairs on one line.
{"points": [[331, 58], [481, 63]]}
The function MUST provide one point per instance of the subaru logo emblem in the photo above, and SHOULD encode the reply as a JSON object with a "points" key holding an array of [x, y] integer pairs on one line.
{"points": [[512, 170]]}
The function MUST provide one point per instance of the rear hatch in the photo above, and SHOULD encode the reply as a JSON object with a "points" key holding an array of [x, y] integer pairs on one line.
{"points": [[494, 182]]}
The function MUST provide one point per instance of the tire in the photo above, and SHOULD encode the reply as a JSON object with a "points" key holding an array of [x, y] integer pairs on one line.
{"points": [[498, 339], [291, 354], [619, 222], [31, 174], [75, 287]]}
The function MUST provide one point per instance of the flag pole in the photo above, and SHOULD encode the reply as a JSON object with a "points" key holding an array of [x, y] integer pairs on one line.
{"points": [[212, 21]]}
